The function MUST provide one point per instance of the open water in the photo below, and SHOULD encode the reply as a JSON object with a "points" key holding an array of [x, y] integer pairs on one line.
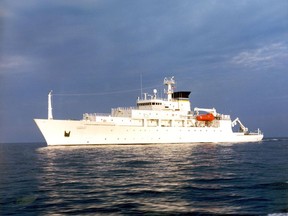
{"points": [[190, 179]]}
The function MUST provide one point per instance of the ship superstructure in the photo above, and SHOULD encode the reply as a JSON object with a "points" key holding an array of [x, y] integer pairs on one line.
{"points": [[153, 120]]}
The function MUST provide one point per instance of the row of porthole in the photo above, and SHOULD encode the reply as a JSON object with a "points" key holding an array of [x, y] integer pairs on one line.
{"points": [[132, 139], [167, 130], [158, 137]]}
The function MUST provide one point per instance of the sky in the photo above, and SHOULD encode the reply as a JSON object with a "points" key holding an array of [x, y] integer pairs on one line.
{"points": [[231, 55]]}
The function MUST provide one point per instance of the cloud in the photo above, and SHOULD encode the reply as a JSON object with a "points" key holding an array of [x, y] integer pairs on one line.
{"points": [[4, 13], [14, 62], [270, 55]]}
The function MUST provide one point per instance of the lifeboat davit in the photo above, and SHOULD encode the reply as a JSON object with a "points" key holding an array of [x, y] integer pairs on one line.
{"points": [[205, 117]]}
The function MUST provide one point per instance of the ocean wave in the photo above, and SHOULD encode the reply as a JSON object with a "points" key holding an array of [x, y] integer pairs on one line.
{"points": [[275, 139], [278, 214]]}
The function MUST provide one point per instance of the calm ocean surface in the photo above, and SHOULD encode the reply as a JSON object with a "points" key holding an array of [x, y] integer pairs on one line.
{"points": [[201, 179]]}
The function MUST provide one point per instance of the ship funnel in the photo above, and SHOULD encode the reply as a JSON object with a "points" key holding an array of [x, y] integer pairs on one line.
{"points": [[50, 115]]}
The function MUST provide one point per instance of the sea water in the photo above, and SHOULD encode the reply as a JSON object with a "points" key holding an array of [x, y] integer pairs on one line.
{"points": [[169, 179]]}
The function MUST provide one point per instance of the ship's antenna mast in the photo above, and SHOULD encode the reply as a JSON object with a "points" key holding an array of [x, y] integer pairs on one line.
{"points": [[141, 86], [170, 82], [50, 115]]}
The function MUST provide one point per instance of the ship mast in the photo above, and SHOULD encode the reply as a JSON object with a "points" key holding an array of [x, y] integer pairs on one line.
{"points": [[50, 115], [170, 82]]}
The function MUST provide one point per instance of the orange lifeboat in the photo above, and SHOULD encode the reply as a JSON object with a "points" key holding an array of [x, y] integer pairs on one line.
{"points": [[205, 117]]}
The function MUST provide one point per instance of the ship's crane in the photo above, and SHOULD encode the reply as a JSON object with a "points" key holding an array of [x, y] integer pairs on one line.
{"points": [[242, 127]]}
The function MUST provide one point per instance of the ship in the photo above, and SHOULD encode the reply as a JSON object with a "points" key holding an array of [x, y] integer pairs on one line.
{"points": [[154, 120]]}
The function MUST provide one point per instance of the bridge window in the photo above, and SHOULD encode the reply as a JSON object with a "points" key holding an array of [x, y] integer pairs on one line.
{"points": [[149, 104]]}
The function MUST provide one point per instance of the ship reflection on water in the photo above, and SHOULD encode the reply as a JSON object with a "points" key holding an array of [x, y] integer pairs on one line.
{"points": [[142, 179]]}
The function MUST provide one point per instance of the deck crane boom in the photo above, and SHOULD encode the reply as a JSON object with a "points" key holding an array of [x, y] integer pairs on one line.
{"points": [[242, 127]]}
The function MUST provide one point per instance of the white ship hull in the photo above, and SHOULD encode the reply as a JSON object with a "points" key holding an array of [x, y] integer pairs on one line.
{"points": [[80, 132], [153, 120]]}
